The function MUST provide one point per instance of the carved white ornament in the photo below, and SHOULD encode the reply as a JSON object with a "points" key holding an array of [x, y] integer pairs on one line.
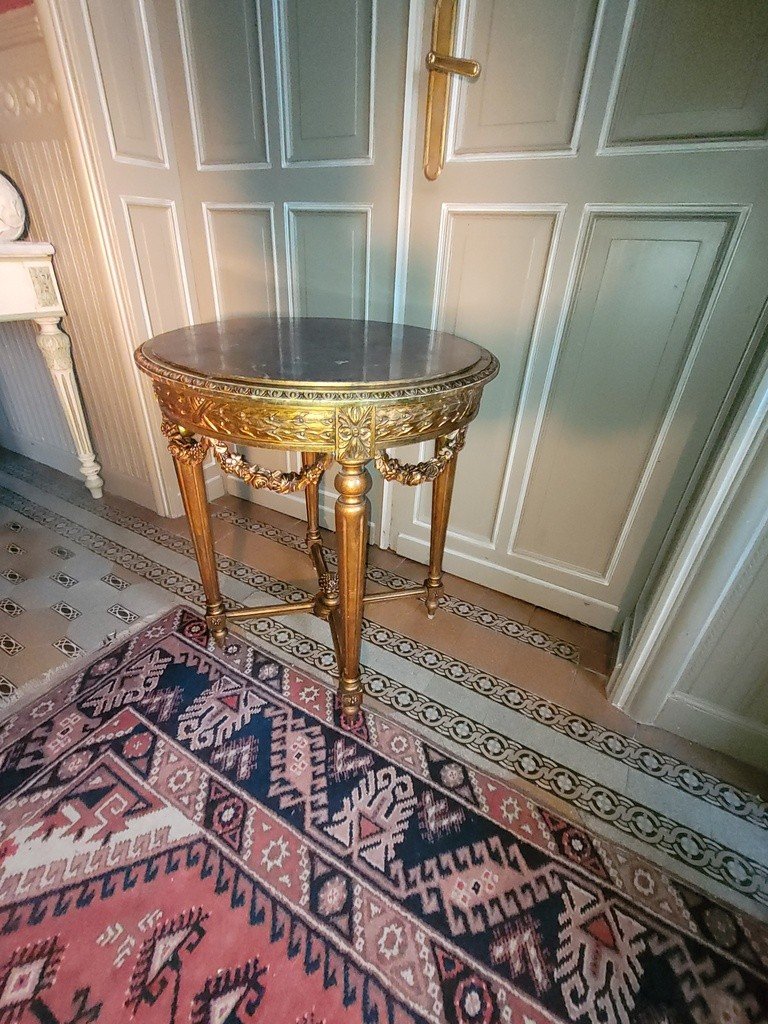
{"points": [[13, 215], [42, 282], [28, 95]]}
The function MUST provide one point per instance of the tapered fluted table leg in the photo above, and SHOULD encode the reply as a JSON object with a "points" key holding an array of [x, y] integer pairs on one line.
{"points": [[442, 490], [57, 352], [352, 512], [188, 459]]}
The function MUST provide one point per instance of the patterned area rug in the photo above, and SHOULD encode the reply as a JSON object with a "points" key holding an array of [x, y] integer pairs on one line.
{"points": [[191, 835], [688, 820]]}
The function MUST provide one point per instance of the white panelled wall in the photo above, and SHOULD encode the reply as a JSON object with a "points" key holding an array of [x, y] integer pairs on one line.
{"points": [[36, 151], [600, 223], [248, 153]]}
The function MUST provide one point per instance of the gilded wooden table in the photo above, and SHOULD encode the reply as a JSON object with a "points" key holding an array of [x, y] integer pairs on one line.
{"points": [[330, 389]]}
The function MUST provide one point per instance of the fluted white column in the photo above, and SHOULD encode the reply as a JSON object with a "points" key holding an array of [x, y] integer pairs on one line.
{"points": [[57, 352]]}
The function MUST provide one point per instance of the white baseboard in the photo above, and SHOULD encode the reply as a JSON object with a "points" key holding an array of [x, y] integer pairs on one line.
{"points": [[714, 727], [289, 504], [119, 484], [131, 488], [626, 637], [214, 482], [48, 454], [141, 491], [292, 505], [595, 613]]}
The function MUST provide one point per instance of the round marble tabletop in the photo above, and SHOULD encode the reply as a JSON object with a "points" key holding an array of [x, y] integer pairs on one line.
{"points": [[305, 383], [312, 352]]}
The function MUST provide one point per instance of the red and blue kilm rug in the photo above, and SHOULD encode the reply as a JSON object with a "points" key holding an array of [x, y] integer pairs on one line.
{"points": [[193, 835]]}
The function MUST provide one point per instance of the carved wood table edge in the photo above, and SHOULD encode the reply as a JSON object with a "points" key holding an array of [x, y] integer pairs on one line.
{"points": [[351, 421]]}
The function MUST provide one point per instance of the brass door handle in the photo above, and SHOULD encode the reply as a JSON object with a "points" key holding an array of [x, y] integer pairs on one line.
{"points": [[441, 65], [452, 65]]}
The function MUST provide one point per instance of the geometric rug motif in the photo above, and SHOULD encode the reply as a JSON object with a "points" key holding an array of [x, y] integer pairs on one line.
{"points": [[186, 837]]}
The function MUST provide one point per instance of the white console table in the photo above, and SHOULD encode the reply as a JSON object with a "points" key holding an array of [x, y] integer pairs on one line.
{"points": [[29, 291]]}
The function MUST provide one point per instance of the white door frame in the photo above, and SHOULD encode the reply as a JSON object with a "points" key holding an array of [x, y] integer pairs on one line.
{"points": [[413, 67], [633, 686]]}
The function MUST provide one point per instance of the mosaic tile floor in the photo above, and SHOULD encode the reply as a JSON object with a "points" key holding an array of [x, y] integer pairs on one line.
{"points": [[489, 676]]}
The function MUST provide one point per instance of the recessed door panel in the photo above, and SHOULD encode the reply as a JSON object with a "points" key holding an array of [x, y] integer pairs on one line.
{"points": [[328, 262], [123, 64], [327, 62], [222, 50], [533, 54], [694, 70], [155, 242], [494, 265], [642, 288], [242, 255], [739, 636]]}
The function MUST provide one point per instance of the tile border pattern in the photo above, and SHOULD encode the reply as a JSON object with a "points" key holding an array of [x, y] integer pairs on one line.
{"points": [[685, 845], [8, 691], [393, 581], [465, 609], [9, 645], [664, 767], [68, 647]]}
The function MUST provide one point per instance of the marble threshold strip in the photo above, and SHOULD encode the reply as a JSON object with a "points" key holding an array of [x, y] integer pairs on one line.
{"points": [[652, 831], [663, 767]]}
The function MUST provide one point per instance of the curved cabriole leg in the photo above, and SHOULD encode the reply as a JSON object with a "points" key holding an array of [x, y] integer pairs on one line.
{"points": [[188, 458], [442, 490], [352, 512]]}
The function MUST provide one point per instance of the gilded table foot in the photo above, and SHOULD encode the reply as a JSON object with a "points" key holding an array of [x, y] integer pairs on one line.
{"points": [[434, 593], [350, 697], [216, 621]]}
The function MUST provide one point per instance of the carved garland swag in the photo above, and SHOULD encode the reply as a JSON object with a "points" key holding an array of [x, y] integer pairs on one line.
{"points": [[184, 446]]}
